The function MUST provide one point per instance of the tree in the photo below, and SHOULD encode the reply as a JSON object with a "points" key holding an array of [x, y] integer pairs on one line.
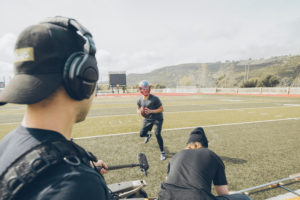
{"points": [[159, 86], [222, 81], [250, 83], [269, 81], [286, 81]]}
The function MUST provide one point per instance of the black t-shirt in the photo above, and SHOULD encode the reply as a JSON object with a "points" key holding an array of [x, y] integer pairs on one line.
{"points": [[152, 102], [196, 169], [64, 181]]}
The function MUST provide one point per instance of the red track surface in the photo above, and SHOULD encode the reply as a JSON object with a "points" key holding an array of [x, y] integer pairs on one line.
{"points": [[189, 94]]}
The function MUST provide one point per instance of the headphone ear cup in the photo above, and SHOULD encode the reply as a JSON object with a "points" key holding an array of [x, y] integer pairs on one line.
{"points": [[80, 75], [69, 73]]}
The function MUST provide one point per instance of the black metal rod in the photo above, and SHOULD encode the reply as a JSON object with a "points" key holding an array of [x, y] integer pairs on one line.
{"points": [[288, 189], [267, 184], [114, 167], [122, 166]]}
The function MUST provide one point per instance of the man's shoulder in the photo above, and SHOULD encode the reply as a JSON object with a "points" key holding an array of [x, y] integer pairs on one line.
{"points": [[140, 98], [81, 173], [183, 154], [212, 155], [154, 97], [21, 140], [69, 182], [207, 151], [14, 144], [82, 180], [199, 153]]}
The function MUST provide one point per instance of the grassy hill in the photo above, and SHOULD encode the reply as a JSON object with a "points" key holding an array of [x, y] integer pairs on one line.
{"points": [[224, 74]]}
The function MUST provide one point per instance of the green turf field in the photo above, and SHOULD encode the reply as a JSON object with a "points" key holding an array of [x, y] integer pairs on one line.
{"points": [[257, 137]]}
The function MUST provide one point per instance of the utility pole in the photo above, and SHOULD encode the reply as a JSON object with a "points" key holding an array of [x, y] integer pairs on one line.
{"points": [[248, 71], [245, 76]]}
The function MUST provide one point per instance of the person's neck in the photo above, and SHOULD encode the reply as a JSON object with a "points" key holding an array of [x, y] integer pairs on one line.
{"points": [[51, 117], [146, 97], [196, 145]]}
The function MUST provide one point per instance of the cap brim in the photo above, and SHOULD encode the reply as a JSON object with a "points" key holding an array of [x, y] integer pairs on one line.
{"points": [[29, 89]]}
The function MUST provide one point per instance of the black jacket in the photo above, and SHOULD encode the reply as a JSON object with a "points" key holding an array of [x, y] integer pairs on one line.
{"points": [[66, 179]]}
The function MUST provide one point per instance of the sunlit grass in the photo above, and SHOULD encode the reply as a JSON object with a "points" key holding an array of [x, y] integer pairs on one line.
{"points": [[254, 153]]}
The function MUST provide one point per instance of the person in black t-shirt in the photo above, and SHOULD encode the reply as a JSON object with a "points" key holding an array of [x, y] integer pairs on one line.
{"points": [[150, 107], [192, 171], [56, 74]]}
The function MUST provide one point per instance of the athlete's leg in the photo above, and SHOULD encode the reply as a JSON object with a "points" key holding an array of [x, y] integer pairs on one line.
{"points": [[147, 126], [158, 127]]}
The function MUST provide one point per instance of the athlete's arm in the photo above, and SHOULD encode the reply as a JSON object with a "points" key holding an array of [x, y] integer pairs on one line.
{"points": [[221, 190], [139, 110], [158, 110]]}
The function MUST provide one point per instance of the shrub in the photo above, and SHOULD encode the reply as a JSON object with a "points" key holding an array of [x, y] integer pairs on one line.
{"points": [[269, 81], [250, 83]]}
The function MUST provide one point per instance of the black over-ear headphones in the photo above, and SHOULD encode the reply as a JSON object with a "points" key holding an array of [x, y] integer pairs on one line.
{"points": [[80, 74]]}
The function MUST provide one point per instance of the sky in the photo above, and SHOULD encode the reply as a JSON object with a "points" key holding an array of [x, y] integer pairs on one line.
{"points": [[138, 36]]}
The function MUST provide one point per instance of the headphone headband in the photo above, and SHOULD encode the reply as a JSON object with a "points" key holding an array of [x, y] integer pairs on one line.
{"points": [[73, 24]]}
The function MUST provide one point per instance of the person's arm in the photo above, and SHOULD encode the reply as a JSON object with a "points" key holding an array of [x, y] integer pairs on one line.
{"points": [[158, 110], [102, 164], [139, 107], [139, 110], [221, 190], [220, 180], [168, 170], [156, 103]]}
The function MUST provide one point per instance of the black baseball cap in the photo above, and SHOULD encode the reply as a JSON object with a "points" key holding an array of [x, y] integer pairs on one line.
{"points": [[198, 135], [40, 54]]}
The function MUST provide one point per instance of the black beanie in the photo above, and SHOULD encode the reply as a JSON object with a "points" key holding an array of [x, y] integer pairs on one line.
{"points": [[198, 135]]}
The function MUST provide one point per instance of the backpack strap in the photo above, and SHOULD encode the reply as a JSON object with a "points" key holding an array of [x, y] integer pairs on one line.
{"points": [[36, 161]]}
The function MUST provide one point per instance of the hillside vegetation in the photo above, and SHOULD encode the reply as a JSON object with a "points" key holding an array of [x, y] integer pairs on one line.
{"points": [[281, 71]]}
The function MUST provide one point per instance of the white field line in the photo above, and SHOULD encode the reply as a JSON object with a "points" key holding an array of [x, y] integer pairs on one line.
{"points": [[99, 116], [207, 126], [10, 123], [13, 109], [285, 196], [228, 109]]}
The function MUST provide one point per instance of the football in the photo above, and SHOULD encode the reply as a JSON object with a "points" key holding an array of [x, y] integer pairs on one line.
{"points": [[143, 113]]}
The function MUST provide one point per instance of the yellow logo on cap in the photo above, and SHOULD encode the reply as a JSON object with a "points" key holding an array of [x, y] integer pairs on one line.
{"points": [[24, 55]]}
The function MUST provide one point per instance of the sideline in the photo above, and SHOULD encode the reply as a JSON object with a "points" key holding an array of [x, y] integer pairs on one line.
{"points": [[190, 111], [212, 110], [191, 127], [99, 95]]}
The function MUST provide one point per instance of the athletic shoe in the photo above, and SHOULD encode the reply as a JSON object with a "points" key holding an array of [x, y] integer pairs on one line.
{"points": [[148, 138], [163, 156]]}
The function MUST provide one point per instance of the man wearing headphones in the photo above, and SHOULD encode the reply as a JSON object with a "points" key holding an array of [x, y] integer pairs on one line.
{"points": [[150, 107], [55, 75]]}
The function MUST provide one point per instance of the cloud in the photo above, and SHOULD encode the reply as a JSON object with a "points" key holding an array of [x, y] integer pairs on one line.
{"points": [[6, 56], [135, 40], [6, 71], [7, 43], [136, 62]]}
